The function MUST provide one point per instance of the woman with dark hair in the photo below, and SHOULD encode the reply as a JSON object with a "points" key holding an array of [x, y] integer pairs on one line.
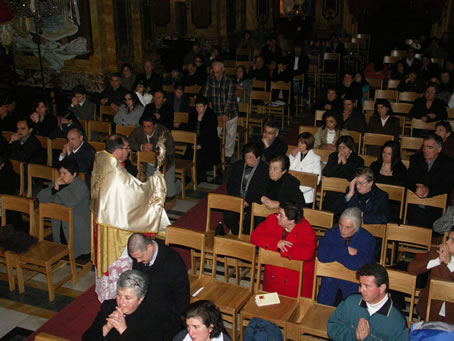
{"points": [[364, 84], [303, 159], [142, 94], [71, 191], [204, 123], [398, 72], [130, 112], [429, 108], [389, 169], [349, 88], [290, 234], [243, 82], [248, 179], [43, 123], [343, 163], [67, 120], [331, 102], [203, 323], [327, 135], [128, 78], [364, 194], [383, 121], [444, 130]]}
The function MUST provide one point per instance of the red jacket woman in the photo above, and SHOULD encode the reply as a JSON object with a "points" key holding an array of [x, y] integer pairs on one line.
{"points": [[293, 237]]}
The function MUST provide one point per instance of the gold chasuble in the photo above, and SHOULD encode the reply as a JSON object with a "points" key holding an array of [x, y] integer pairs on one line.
{"points": [[121, 204]]}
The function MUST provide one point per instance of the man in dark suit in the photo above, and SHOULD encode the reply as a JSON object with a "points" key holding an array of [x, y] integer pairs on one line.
{"points": [[23, 146], [81, 106], [270, 142], [430, 174], [169, 283], [151, 80], [78, 149], [161, 109]]}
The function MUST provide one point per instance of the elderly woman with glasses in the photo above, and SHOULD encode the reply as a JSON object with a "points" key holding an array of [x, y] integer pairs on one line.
{"points": [[126, 318], [364, 194]]}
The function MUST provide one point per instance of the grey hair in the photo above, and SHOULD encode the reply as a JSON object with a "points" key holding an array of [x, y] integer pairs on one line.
{"points": [[221, 64], [134, 279], [138, 242], [354, 214]]}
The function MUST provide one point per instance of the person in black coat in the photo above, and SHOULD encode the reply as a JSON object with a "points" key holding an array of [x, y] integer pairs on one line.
{"points": [[248, 179], [259, 70], [430, 174], [151, 80], [350, 89], [204, 123], [389, 169], [7, 119], [270, 142], [282, 187], [169, 284], [351, 117], [23, 146], [429, 108], [341, 164], [178, 99], [43, 123], [127, 317], [161, 109]]}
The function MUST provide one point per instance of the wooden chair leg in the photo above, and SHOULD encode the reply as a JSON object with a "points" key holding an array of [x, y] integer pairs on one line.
{"points": [[183, 185], [10, 261], [50, 282], [72, 265], [20, 276], [194, 178], [234, 327]]}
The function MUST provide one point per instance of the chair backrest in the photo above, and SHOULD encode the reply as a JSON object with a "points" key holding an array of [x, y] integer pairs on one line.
{"points": [[333, 185], [318, 116], [99, 146], [225, 202], [58, 212], [180, 136], [439, 290], [180, 117], [243, 53], [236, 249], [378, 231], [368, 106], [258, 210], [192, 90], [405, 283], [188, 238], [19, 204], [38, 171], [375, 83], [306, 179], [321, 221], [243, 108], [419, 124], [258, 101], [84, 124], [48, 337], [401, 108], [371, 139], [334, 270], [18, 168], [309, 129], [55, 144], [393, 84], [142, 159], [419, 238], [105, 111], [368, 159], [267, 257], [323, 153], [100, 127], [396, 193], [43, 141], [436, 201], [259, 85], [409, 96], [390, 95], [390, 59], [124, 130], [408, 143], [356, 136], [399, 53]]}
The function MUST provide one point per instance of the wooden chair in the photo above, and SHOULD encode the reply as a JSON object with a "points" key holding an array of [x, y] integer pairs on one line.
{"points": [[399, 53], [106, 113], [22, 205], [18, 168], [126, 131], [7, 134], [409, 145], [332, 185], [196, 242], [390, 59], [48, 337], [412, 239], [280, 313], [45, 256], [183, 166], [192, 90], [395, 193], [356, 136], [258, 109], [439, 290], [323, 153], [419, 124], [436, 201], [368, 106], [308, 129], [315, 320], [332, 57], [318, 116], [221, 165], [227, 297], [242, 132], [40, 172], [280, 110], [179, 118], [401, 108], [258, 210], [390, 95], [103, 128], [404, 283], [371, 139], [378, 231], [84, 124], [393, 84], [438, 61], [321, 221], [375, 83], [368, 159], [143, 158], [408, 96], [99, 146], [55, 144], [308, 180], [258, 85], [242, 54]]}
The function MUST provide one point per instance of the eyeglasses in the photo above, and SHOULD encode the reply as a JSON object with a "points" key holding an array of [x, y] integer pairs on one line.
{"points": [[362, 183]]}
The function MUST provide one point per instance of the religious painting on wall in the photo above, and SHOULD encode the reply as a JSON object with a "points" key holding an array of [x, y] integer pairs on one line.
{"points": [[294, 7]]}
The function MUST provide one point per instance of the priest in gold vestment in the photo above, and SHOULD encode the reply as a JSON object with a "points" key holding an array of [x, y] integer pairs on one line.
{"points": [[121, 204]]}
